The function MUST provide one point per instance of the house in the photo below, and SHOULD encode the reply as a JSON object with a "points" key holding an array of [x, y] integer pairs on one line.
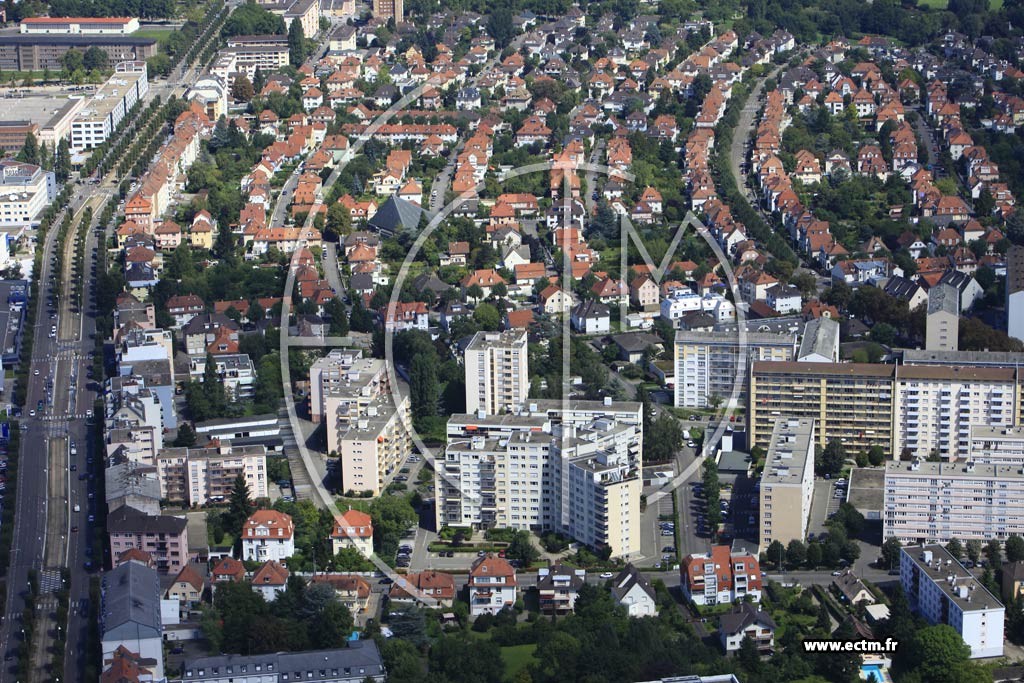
{"points": [[491, 586], [643, 292], [553, 300], [187, 588], [632, 590], [270, 579], [352, 591], [558, 586], [268, 535], [184, 307], [485, 278], [852, 589], [1013, 580], [591, 317], [632, 345], [353, 529], [906, 290], [228, 569], [721, 576], [747, 621], [428, 584], [405, 316], [785, 299]]}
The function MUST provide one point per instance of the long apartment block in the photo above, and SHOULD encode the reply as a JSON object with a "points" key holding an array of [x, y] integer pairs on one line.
{"points": [[787, 483]]}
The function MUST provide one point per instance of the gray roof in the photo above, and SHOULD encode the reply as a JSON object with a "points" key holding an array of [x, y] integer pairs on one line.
{"points": [[628, 578], [944, 298], [743, 616], [396, 215], [208, 322], [131, 479], [901, 288], [957, 278], [637, 341], [590, 310], [356, 662], [131, 603], [129, 520], [819, 338]]}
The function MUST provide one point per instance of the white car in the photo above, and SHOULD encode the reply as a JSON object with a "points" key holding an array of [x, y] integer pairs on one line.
{"points": [[606, 575]]}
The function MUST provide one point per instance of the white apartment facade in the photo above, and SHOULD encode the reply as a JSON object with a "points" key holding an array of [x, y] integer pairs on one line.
{"points": [[197, 476], [787, 483], [997, 445], [942, 591], [111, 103], [25, 192], [497, 375], [933, 502], [372, 448]]}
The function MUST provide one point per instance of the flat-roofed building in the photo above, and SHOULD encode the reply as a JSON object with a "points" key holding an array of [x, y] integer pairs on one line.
{"points": [[14, 133], [197, 476], [942, 591], [25, 192], [943, 321], [497, 375], [850, 402], [248, 53], [100, 26], [787, 483], [708, 366], [58, 127], [36, 52], [997, 445], [1015, 292], [933, 502], [98, 119], [373, 447]]}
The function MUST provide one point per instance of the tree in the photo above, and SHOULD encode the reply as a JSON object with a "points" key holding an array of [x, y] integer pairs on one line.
{"points": [[240, 506], [823, 623], [186, 436], [796, 553], [876, 456], [296, 44], [242, 89], [973, 550], [423, 386], [213, 387], [891, 552], [776, 554], [95, 59], [814, 555], [71, 61], [339, 221], [30, 150], [955, 548], [994, 553], [487, 316], [522, 549], [501, 27], [664, 439], [62, 162], [937, 653], [1014, 548], [831, 459]]}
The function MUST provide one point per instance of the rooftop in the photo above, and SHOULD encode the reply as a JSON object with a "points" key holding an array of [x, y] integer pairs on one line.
{"points": [[791, 445], [959, 585]]}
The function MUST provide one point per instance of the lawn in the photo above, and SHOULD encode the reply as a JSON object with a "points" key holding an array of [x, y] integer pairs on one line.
{"points": [[517, 657], [158, 34]]}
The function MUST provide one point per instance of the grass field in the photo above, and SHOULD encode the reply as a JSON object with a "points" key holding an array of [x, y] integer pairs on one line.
{"points": [[162, 34], [517, 657]]}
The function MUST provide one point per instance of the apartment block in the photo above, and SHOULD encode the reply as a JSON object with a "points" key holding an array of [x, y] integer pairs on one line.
{"points": [[1015, 292], [111, 103], [942, 591], [198, 476], [933, 502], [25, 192], [373, 447], [268, 536], [942, 326], [851, 402], [497, 375], [934, 407], [335, 371], [491, 585], [572, 469], [721, 576], [389, 9], [35, 52], [708, 364], [248, 53], [787, 483], [165, 538], [997, 445]]}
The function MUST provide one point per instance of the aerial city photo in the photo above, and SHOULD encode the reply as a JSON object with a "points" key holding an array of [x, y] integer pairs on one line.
{"points": [[511, 341]]}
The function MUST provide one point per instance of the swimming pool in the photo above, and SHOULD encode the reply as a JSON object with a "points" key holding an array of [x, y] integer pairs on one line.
{"points": [[868, 669]]}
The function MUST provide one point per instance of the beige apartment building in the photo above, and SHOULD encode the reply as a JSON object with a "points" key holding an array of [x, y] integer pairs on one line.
{"points": [[497, 374], [787, 483], [197, 476], [373, 447], [997, 445], [851, 402]]}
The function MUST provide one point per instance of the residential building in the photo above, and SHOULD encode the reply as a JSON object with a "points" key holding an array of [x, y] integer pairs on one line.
{"points": [[933, 502], [268, 535], [35, 52], [852, 590], [709, 368], [389, 9], [632, 590], [358, 662], [339, 368], [996, 445], [497, 377], [851, 402], [373, 447], [591, 317], [721, 576], [165, 538], [129, 483], [353, 529], [211, 92], [747, 621], [426, 584], [270, 579], [1015, 292], [198, 476], [99, 26], [557, 588], [187, 588], [820, 342], [943, 591], [130, 615], [491, 585], [352, 591], [1013, 581], [111, 103], [249, 53], [943, 321], [787, 482], [228, 569], [25, 192]]}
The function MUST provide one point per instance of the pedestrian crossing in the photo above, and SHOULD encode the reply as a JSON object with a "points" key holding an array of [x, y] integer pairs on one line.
{"points": [[63, 418], [49, 581], [60, 355]]}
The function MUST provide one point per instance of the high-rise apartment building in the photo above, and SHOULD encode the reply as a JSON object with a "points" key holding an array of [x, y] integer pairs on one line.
{"points": [[787, 483], [497, 375], [997, 445], [389, 9], [942, 326], [1015, 292]]}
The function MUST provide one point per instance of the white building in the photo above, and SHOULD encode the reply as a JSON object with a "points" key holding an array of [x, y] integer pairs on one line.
{"points": [[820, 342], [632, 590], [787, 483], [679, 304], [497, 378], [942, 591], [25, 192], [933, 502], [111, 103], [211, 92], [197, 476], [491, 586], [97, 26], [268, 535], [1015, 292], [707, 363], [997, 445]]}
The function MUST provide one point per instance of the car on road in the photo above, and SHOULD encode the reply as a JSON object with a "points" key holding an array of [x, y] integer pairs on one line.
{"points": [[668, 549], [837, 573], [31, 413], [667, 532], [606, 575], [74, 529], [74, 467], [36, 372], [691, 444], [387, 580]]}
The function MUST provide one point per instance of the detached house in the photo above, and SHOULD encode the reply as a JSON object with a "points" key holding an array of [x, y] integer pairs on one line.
{"points": [[353, 529], [558, 587], [747, 621], [268, 535], [721, 576], [632, 590], [491, 585]]}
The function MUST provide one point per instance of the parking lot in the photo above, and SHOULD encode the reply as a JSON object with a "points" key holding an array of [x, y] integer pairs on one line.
{"points": [[825, 503]]}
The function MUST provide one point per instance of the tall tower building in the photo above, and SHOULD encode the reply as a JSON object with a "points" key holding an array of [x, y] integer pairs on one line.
{"points": [[1015, 292], [942, 331], [497, 372]]}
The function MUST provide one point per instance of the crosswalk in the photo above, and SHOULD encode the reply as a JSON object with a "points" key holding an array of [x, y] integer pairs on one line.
{"points": [[63, 418], [61, 355], [49, 581]]}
